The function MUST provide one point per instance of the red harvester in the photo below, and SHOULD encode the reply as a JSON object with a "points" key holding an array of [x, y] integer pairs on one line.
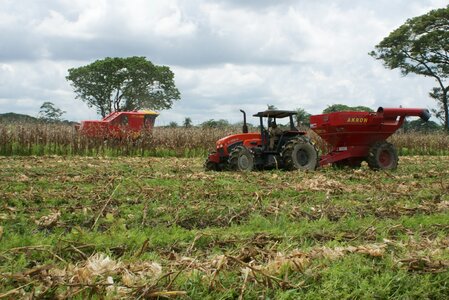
{"points": [[354, 137], [119, 124]]}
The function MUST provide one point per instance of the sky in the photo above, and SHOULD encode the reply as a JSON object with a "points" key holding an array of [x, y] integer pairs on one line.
{"points": [[226, 54]]}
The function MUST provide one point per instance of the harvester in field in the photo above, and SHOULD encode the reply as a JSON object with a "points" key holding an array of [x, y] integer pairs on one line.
{"points": [[120, 124], [354, 137]]}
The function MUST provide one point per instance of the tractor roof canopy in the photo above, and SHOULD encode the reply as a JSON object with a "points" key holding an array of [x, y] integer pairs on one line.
{"points": [[270, 113]]}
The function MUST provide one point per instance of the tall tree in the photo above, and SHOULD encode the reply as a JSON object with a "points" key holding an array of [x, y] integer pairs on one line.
{"points": [[119, 84], [421, 46], [50, 113], [302, 117], [187, 122]]}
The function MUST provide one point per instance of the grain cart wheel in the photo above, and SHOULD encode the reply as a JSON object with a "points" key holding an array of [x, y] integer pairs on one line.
{"points": [[382, 156], [300, 154], [241, 159]]}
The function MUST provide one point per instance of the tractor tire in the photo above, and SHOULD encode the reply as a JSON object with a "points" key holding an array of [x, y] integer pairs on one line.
{"points": [[382, 156], [210, 166], [241, 159], [300, 154]]}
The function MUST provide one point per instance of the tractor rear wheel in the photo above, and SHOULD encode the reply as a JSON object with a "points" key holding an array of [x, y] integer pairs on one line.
{"points": [[383, 156], [300, 154], [241, 159]]}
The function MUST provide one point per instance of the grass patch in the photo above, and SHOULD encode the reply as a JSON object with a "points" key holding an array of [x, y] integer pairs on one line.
{"points": [[160, 226]]}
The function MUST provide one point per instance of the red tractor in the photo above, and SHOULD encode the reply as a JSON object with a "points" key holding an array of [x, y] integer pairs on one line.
{"points": [[354, 137], [119, 124], [289, 149]]}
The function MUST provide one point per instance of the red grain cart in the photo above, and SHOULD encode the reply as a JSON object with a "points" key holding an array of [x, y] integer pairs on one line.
{"points": [[361, 136], [119, 125]]}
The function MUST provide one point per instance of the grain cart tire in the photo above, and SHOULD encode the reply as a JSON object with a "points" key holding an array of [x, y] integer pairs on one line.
{"points": [[241, 159], [300, 154], [383, 156]]}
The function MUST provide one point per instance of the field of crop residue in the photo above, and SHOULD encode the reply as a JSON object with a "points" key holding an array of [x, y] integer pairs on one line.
{"points": [[88, 227]]}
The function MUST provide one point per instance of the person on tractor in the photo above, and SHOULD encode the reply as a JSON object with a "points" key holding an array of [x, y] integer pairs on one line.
{"points": [[275, 132]]}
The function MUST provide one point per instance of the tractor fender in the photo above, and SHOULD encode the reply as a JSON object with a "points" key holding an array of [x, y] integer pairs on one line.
{"points": [[251, 143]]}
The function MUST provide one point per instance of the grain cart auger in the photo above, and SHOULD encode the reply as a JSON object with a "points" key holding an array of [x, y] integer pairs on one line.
{"points": [[272, 147], [361, 136]]}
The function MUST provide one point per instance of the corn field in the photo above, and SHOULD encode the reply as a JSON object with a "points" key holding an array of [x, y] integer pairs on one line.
{"points": [[61, 139]]}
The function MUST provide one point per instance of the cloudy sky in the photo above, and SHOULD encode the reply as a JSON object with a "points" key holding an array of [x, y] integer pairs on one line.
{"points": [[226, 54]]}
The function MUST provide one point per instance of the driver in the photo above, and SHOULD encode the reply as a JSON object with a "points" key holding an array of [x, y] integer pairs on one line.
{"points": [[274, 132]]}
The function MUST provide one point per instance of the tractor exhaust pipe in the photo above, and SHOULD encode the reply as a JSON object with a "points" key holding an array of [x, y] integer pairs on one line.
{"points": [[387, 113], [245, 127]]}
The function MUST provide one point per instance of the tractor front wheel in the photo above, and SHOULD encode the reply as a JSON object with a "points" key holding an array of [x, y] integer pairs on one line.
{"points": [[211, 166], [383, 156], [241, 159], [300, 154]]}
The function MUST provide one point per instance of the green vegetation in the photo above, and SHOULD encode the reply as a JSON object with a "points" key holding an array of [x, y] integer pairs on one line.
{"points": [[80, 227], [342, 107], [12, 118], [420, 46], [302, 118], [49, 113], [421, 126], [215, 123], [124, 84]]}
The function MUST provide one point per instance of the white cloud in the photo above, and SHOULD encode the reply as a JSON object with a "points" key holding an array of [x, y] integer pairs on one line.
{"points": [[225, 54], [57, 25]]}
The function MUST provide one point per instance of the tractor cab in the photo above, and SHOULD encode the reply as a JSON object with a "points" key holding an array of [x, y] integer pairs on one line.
{"points": [[274, 135], [275, 146]]}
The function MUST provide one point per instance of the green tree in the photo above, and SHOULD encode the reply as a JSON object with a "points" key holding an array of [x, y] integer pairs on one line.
{"points": [[50, 113], [187, 122], [302, 117], [437, 94], [172, 125], [121, 84], [421, 126], [215, 124], [342, 107], [421, 46]]}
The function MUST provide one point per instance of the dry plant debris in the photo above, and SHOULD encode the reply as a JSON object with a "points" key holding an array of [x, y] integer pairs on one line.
{"points": [[144, 228]]}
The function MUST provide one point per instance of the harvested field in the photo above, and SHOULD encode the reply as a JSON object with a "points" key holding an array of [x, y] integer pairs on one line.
{"points": [[80, 227]]}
